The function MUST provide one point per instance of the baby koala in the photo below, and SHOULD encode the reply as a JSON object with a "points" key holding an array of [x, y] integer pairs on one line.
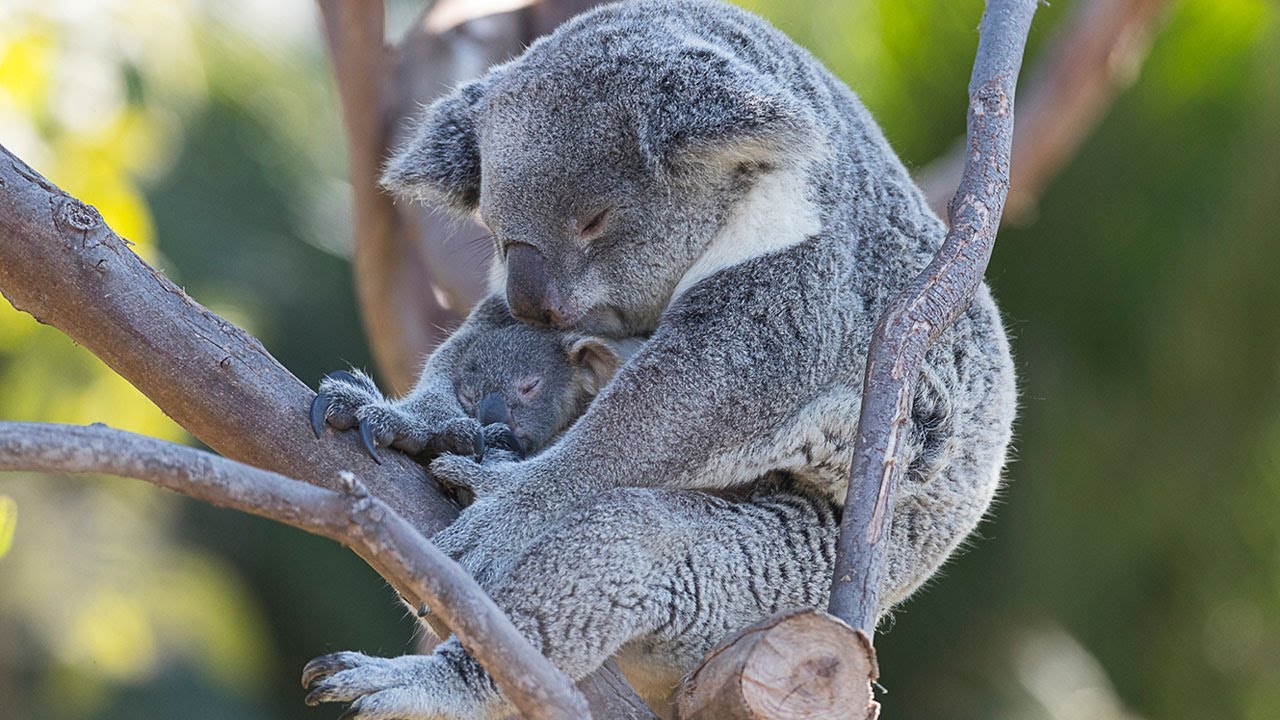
{"points": [[525, 385], [516, 386]]}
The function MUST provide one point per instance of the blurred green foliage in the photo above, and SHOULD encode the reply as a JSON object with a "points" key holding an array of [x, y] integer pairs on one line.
{"points": [[1131, 569]]}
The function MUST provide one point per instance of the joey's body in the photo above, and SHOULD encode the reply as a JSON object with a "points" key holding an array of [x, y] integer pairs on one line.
{"points": [[681, 170]]}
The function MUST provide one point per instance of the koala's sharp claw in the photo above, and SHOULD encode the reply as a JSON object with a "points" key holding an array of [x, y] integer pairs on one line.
{"points": [[318, 408], [313, 698], [320, 667], [366, 439], [344, 376]]}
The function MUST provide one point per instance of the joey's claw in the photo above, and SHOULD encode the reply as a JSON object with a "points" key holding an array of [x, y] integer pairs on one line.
{"points": [[318, 407], [477, 441], [313, 698], [367, 439], [350, 712], [507, 440]]}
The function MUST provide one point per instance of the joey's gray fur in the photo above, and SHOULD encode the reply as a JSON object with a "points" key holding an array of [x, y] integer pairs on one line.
{"points": [[682, 171]]}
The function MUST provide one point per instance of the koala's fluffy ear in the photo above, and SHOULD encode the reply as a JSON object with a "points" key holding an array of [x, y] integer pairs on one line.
{"points": [[709, 107], [442, 161], [597, 357]]}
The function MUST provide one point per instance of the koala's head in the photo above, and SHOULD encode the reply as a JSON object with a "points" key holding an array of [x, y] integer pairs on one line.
{"points": [[603, 161], [534, 380]]}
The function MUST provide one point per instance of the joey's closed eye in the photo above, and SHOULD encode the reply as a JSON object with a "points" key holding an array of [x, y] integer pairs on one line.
{"points": [[528, 387], [592, 225]]}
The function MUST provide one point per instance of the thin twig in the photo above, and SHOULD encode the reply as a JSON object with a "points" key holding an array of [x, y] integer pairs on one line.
{"points": [[917, 316], [413, 566], [1090, 60]]}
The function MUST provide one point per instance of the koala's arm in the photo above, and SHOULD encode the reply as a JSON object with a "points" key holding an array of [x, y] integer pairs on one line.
{"points": [[697, 406], [435, 391], [429, 419]]}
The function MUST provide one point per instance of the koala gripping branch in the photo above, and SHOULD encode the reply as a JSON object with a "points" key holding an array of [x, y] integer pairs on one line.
{"points": [[933, 302]]}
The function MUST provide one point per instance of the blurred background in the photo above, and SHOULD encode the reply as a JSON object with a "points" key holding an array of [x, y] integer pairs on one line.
{"points": [[1130, 570]]}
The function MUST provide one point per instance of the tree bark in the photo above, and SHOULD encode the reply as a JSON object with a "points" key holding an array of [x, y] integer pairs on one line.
{"points": [[797, 665], [916, 317]]}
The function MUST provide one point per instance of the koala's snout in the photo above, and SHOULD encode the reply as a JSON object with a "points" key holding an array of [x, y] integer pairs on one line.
{"points": [[531, 293]]}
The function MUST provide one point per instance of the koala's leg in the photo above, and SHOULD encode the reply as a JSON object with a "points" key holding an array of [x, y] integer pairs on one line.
{"points": [[654, 576], [429, 420]]}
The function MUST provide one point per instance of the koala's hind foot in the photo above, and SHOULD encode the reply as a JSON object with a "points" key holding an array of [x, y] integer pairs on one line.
{"points": [[447, 685], [351, 400]]}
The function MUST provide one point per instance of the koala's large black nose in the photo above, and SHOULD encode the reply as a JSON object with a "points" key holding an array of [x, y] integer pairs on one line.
{"points": [[531, 292]]}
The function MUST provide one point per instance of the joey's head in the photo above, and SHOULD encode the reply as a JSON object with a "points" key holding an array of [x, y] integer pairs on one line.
{"points": [[604, 161], [535, 380]]}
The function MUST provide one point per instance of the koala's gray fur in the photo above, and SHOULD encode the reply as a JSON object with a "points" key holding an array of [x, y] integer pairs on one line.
{"points": [[683, 171]]}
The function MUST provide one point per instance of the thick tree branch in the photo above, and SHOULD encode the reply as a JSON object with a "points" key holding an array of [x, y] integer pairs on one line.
{"points": [[796, 665], [1090, 61], [413, 566], [920, 313], [61, 263]]}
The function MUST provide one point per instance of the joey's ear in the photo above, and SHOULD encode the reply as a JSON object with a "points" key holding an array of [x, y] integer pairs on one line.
{"points": [[597, 356], [441, 163], [708, 107]]}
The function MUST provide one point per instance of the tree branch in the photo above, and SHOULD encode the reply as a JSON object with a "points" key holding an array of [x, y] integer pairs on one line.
{"points": [[920, 313], [413, 566], [1090, 61], [63, 265]]}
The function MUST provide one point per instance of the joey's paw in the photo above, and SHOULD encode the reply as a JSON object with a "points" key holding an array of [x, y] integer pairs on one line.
{"points": [[351, 400], [341, 394], [502, 444], [412, 687]]}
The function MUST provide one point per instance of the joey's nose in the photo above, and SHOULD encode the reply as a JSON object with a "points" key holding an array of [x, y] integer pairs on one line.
{"points": [[493, 409], [531, 293]]}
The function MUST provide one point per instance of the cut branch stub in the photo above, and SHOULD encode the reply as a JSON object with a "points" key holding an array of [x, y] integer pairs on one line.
{"points": [[799, 664]]}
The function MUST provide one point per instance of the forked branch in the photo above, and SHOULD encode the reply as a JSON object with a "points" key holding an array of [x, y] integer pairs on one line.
{"points": [[922, 311], [351, 516]]}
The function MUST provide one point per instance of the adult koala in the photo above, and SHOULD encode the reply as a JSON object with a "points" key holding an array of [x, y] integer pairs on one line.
{"points": [[677, 169]]}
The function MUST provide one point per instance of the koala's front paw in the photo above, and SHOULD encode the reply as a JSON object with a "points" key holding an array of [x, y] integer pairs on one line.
{"points": [[412, 687], [350, 399]]}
